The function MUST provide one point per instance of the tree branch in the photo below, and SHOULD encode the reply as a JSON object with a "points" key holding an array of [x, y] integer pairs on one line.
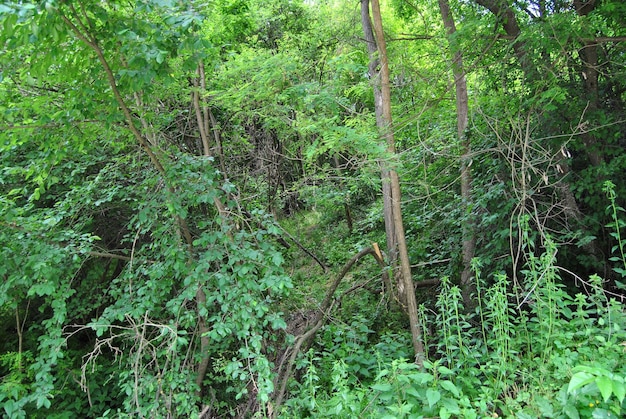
{"points": [[109, 255], [284, 372]]}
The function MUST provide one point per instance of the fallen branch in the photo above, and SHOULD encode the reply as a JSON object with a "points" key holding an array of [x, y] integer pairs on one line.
{"points": [[427, 283], [284, 370], [432, 262], [305, 250]]}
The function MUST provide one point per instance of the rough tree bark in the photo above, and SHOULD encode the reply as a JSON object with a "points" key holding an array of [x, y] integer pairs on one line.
{"points": [[462, 112], [393, 214], [373, 70]]}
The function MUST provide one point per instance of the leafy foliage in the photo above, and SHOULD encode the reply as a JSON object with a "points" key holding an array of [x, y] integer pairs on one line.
{"points": [[153, 155]]}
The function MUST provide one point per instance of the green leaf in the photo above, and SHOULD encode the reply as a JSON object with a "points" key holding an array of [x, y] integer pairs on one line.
{"points": [[421, 378], [449, 385], [619, 389], [599, 413], [43, 401], [571, 411], [432, 396], [41, 289], [605, 384], [445, 370], [382, 387], [545, 407], [414, 393], [451, 406], [579, 380], [10, 407]]}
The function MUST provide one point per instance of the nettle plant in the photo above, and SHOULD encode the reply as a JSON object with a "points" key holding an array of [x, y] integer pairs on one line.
{"points": [[538, 353], [616, 226]]}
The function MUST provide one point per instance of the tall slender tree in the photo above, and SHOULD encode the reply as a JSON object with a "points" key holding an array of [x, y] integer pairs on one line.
{"points": [[462, 112], [396, 243]]}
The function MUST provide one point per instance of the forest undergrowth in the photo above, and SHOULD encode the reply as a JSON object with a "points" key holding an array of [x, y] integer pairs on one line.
{"points": [[312, 208], [546, 351]]}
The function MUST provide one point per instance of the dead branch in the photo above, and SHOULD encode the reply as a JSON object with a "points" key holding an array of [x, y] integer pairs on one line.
{"points": [[284, 370], [426, 283], [305, 250]]}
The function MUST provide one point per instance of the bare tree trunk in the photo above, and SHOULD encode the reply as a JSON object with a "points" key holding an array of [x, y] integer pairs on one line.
{"points": [[372, 49], [462, 110], [201, 109], [393, 226]]}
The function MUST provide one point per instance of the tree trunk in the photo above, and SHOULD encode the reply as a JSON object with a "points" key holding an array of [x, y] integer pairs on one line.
{"points": [[372, 49], [201, 108], [589, 57], [462, 111], [506, 16], [393, 226]]}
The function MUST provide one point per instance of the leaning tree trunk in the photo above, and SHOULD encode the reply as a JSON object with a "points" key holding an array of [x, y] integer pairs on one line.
{"points": [[393, 214], [505, 14], [462, 111]]}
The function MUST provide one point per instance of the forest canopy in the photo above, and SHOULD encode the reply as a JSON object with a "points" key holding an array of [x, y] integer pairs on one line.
{"points": [[254, 208]]}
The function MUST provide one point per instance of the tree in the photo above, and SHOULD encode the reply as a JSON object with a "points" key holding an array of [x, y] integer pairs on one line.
{"points": [[506, 16], [396, 242], [162, 162], [462, 112], [167, 306]]}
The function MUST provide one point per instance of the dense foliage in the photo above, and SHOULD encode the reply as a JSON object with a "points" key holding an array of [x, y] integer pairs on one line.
{"points": [[190, 193]]}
